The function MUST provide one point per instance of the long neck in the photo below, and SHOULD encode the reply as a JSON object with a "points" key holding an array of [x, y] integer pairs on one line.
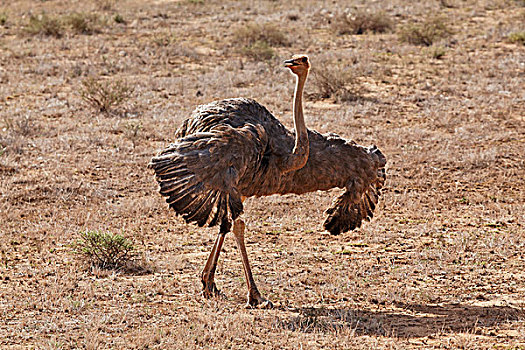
{"points": [[300, 127], [300, 153]]}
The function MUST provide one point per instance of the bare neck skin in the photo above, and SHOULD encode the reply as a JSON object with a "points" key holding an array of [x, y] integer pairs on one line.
{"points": [[300, 153]]}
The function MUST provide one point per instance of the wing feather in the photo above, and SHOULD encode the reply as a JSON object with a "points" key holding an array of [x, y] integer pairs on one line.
{"points": [[199, 174]]}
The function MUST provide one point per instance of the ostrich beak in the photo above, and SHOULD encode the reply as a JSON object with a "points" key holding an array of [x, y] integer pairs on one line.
{"points": [[290, 63]]}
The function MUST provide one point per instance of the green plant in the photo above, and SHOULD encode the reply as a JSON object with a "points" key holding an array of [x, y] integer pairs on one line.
{"points": [[362, 22], [45, 25], [517, 37], [119, 19], [425, 33], [104, 95], [3, 18], [104, 249]]}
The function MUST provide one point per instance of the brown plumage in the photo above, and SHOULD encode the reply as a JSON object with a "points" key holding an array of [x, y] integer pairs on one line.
{"points": [[232, 149]]}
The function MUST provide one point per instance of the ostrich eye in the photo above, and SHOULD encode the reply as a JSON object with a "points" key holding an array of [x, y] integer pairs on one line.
{"points": [[304, 60]]}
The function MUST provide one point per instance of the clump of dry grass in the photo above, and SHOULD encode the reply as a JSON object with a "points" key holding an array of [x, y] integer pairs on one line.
{"points": [[334, 82], [76, 22], [105, 96], [82, 23], [517, 38], [362, 22], [45, 25], [132, 131], [257, 40], [426, 33], [23, 126]]}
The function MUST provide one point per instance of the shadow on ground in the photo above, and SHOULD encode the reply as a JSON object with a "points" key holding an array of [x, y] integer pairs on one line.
{"points": [[414, 320]]}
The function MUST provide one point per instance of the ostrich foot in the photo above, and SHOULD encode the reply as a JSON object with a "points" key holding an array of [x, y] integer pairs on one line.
{"points": [[210, 291], [256, 300]]}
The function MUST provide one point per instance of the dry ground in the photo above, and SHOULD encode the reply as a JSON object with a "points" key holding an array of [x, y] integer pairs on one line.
{"points": [[440, 266]]}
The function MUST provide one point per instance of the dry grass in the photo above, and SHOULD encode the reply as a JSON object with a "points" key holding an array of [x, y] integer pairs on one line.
{"points": [[425, 33], [258, 40], [440, 266], [44, 24], [518, 38], [362, 22], [336, 82]]}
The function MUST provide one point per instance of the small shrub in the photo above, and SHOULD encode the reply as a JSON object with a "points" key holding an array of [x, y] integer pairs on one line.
{"points": [[268, 33], [334, 82], [105, 5], [104, 95], [23, 126], [133, 129], [437, 52], [257, 40], [45, 25], [105, 249], [517, 38], [425, 33], [82, 23], [164, 39], [362, 22], [119, 19], [259, 50], [3, 18]]}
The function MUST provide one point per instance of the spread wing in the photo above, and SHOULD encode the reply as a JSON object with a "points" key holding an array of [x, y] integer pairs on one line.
{"points": [[350, 209], [199, 173]]}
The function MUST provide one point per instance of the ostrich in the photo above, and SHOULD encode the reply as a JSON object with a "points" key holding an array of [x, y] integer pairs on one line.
{"points": [[233, 149]]}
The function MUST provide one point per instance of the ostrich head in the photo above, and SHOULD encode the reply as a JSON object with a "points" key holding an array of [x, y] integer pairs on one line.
{"points": [[298, 64]]}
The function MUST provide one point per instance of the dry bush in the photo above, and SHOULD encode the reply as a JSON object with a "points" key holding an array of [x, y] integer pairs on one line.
{"points": [[76, 22], [104, 249], [518, 38], [362, 22], [267, 32], [45, 25], [259, 50], [118, 18], [82, 23], [257, 40], [23, 126], [334, 82], [437, 52], [426, 33], [104, 96], [132, 131]]}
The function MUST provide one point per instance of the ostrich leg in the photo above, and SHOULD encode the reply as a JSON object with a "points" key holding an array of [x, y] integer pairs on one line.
{"points": [[208, 285], [254, 296]]}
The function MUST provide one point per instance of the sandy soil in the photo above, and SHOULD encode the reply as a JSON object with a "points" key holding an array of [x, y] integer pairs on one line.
{"points": [[440, 266]]}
